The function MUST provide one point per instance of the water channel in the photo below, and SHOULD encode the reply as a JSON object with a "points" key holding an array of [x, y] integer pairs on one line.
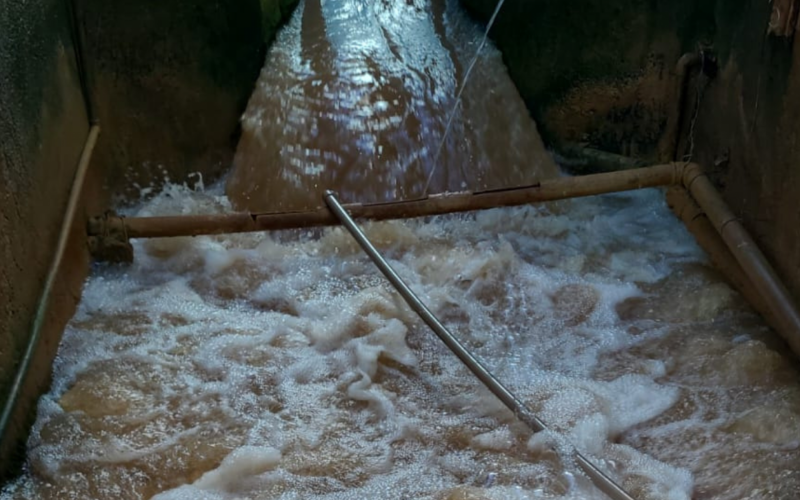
{"points": [[282, 366]]}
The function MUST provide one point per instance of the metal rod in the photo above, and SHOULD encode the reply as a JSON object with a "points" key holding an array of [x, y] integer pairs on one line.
{"points": [[44, 300], [522, 412]]}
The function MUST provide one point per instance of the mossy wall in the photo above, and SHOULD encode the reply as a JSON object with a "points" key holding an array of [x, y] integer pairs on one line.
{"points": [[603, 73], [43, 127]]}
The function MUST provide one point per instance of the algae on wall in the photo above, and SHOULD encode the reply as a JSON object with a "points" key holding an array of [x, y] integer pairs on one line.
{"points": [[43, 126]]}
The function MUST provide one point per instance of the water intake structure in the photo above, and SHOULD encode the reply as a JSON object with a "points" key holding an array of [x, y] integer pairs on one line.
{"points": [[251, 350]]}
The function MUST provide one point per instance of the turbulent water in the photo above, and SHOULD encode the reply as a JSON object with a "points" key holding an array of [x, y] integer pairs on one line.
{"points": [[282, 366]]}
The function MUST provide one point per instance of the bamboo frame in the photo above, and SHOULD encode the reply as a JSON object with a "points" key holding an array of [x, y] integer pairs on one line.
{"points": [[696, 221], [753, 268]]}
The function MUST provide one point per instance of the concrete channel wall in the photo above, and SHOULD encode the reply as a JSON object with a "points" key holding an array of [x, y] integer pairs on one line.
{"points": [[43, 126], [167, 82], [604, 74]]}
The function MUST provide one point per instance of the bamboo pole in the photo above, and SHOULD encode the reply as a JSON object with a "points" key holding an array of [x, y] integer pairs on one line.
{"points": [[697, 222], [744, 249], [25, 362], [549, 190], [775, 298], [668, 146]]}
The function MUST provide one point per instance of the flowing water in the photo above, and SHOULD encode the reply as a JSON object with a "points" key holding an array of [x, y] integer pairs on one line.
{"points": [[356, 94], [282, 366]]}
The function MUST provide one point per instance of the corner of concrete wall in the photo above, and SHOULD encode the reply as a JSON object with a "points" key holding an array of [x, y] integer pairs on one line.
{"points": [[168, 82], [273, 14], [603, 74], [596, 72]]}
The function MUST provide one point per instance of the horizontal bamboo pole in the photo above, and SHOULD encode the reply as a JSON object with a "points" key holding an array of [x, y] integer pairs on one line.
{"points": [[549, 190], [782, 310]]}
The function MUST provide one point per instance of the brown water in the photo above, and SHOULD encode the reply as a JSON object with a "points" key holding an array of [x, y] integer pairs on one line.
{"points": [[281, 366], [356, 95]]}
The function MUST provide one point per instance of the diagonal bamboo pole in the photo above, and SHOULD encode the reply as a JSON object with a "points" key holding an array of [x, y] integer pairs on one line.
{"points": [[747, 254], [696, 221]]}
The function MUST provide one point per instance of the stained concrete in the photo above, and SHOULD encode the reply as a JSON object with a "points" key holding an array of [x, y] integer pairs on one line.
{"points": [[169, 81], [596, 72], [746, 132], [43, 126], [603, 75]]}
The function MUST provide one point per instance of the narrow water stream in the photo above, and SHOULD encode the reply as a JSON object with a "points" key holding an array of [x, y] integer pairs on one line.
{"points": [[356, 95], [282, 366]]}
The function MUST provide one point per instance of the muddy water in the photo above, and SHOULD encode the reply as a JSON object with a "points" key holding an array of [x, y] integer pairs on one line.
{"points": [[356, 95], [281, 366]]}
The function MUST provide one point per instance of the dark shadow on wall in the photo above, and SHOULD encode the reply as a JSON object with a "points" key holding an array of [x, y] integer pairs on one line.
{"points": [[169, 81], [596, 72]]}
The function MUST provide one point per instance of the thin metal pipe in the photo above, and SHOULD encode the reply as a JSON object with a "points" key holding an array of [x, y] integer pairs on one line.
{"points": [[44, 299], [461, 91], [512, 402]]}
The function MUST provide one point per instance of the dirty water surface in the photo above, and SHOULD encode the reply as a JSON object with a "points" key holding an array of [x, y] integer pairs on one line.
{"points": [[283, 366]]}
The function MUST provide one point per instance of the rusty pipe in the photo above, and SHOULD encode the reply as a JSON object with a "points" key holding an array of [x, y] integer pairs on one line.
{"points": [[783, 312], [668, 148]]}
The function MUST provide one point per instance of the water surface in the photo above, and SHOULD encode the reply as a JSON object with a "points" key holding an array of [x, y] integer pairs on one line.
{"points": [[282, 366]]}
